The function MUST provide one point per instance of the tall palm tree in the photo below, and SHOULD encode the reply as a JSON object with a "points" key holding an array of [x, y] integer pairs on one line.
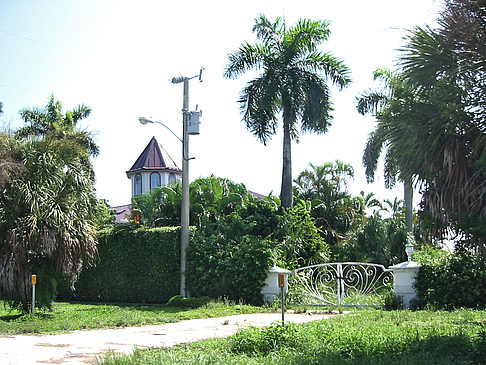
{"points": [[47, 219], [447, 67], [388, 129], [52, 124], [48, 208], [292, 82]]}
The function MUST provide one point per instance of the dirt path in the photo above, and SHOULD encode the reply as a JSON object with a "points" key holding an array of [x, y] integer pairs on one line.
{"points": [[84, 347]]}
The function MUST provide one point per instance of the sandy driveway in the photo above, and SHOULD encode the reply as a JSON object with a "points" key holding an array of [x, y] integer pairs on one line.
{"points": [[83, 347]]}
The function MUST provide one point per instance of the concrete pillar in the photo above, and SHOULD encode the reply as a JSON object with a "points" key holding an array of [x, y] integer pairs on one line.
{"points": [[270, 289], [405, 274]]}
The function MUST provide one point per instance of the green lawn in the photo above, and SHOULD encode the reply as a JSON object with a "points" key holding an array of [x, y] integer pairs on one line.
{"points": [[360, 337], [75, 316]]}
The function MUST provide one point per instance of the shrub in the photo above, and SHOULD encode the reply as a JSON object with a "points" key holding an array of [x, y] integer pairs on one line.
{"points": [[452, 280], [301, 243], [134, 265], [180, 302], [230, 267]]}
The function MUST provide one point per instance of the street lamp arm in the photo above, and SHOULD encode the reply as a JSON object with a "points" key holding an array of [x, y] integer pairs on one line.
{"points": [[144, 120]]}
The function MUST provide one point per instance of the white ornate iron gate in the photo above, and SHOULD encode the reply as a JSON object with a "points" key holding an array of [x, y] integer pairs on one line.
{"points": [[340, 284]]}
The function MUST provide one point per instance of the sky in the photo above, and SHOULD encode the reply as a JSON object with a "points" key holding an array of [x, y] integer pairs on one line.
{"points": [[118, 58]]}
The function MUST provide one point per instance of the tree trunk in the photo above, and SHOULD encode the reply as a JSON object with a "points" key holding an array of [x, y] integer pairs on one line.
{"points": [[286, 193], [408, 196]]}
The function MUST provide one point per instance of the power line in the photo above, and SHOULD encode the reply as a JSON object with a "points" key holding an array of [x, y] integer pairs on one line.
{"points": [[15, 87], [23, 37]]}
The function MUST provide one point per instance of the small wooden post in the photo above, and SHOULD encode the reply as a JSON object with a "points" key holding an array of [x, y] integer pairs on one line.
{"points": [[281, 284], [34, 281]]}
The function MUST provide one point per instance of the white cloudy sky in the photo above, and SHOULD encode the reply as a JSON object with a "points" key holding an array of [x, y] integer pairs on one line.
{"points": [[118, 57]]}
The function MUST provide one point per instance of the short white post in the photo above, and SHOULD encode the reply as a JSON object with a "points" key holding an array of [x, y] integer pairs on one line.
{"points": [[271, 288]]}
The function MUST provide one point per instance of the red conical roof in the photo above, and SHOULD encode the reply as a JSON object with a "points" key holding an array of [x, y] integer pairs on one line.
{"points": [[154, 157]]}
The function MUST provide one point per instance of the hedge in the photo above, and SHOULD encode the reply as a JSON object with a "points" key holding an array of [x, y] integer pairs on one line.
{"points": [[234, 268], [135, 265], [451, 280]]}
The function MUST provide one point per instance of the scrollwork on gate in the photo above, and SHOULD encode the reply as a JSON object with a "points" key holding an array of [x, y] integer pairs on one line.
{"points": [[340, 284]]}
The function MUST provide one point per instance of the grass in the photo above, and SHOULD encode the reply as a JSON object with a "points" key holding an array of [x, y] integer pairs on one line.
{"points": [[75, 316], [360, 337]]}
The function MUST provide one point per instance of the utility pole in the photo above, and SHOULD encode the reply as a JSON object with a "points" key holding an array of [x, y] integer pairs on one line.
{"points": [[185, 188], [185, 174]]}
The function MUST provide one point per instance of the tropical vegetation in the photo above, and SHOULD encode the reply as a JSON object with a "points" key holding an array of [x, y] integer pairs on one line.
{"points": [[335, 211], [48, 209], [433, 122], [292, 82], [378, 103], [133, 264], [451, 280], [237, 237]]}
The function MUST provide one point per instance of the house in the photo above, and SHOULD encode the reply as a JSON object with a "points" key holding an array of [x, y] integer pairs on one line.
{"points": [[153, 168]]}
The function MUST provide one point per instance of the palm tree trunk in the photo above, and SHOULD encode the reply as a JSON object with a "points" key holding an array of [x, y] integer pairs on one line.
{"points": [[286, 194], [408, 196]]}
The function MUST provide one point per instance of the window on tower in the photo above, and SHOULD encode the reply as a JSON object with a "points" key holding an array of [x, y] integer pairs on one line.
{"points": [[138, 184], [154, 180]]}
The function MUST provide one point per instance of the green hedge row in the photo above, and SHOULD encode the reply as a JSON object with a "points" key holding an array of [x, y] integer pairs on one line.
{"points": [[229, 267], [135, 265], [450, 280]]}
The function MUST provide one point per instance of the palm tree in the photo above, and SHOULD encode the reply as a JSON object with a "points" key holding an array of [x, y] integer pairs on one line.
{"points": [[48, 208], [387, 131], [334, 210], [330, 175], [47, 219], [290, 83], [52, 124], [447, 67]]}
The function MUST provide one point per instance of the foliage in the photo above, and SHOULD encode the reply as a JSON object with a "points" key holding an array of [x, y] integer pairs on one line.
{"points": [[292, 82], [210, 198], [48, 209], [51, 123], [238, 236], [105, 216], [336, 212], [47, 219], [431, 115], [381, 241], [231, 267], [445, 137], [301, 243], [452, 280], [361, 337], [76, 316], [391, 301], [134, 265]]}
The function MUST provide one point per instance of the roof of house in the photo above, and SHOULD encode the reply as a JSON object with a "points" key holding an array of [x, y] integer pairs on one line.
{"points": [[122, 213], [154, 157]]}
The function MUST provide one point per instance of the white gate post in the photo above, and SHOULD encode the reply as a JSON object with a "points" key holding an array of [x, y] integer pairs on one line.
{"points": [[271, 289], [405, 274]]}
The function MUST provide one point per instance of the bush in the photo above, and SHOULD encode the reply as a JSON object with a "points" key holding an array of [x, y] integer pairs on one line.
{"points": [[180, 302], [301, 243], [135, 265], [230, 267], [451, 280]]}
